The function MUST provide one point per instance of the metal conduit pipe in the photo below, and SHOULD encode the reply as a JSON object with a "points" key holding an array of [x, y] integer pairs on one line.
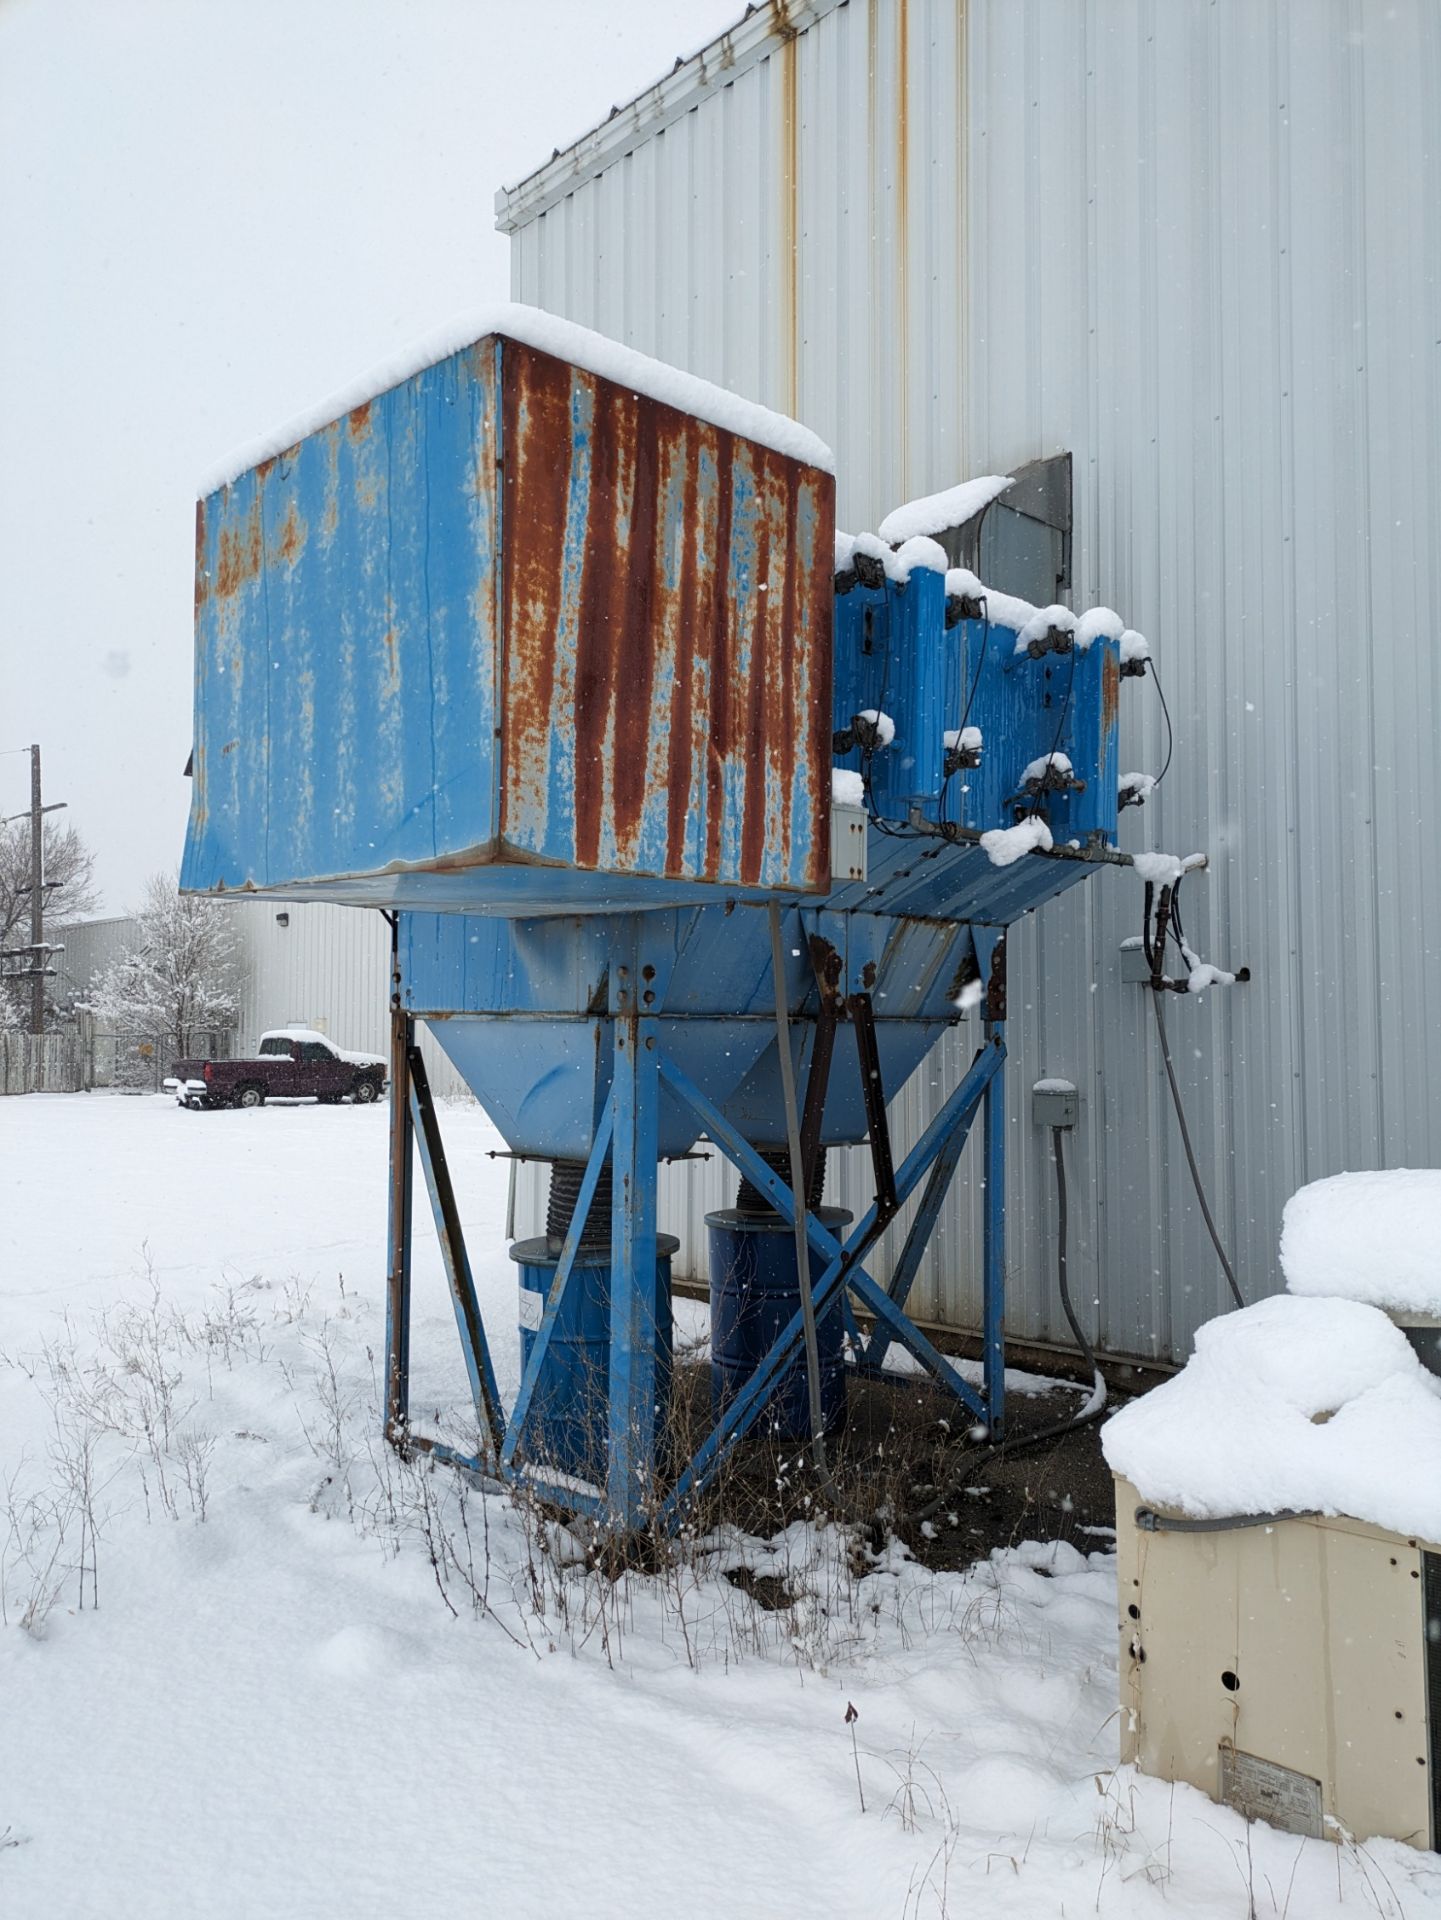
{"points": [[799, 1203]]}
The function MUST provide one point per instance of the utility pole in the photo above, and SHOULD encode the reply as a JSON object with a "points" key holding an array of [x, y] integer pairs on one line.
{"points": [[37, 897], [37, 968]]}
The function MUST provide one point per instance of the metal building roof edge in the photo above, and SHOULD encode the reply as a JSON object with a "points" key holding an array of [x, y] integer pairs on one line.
{"points": [[689, 82]]}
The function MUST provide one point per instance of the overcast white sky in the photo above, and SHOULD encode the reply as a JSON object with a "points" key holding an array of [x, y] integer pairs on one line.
{"points": [[212, 213]]}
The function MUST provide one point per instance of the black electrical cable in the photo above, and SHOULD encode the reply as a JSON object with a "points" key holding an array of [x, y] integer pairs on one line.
{"points": [[1149, 1521], [986, 1456], [1170, 732], [1205, 1205], [1076, 1331]]}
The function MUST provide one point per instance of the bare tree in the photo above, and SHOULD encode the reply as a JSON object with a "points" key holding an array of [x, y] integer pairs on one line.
{"points": [[70, 895], [69, 867], [183, 978]]}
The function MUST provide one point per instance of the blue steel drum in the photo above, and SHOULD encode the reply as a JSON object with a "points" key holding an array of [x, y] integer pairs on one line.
{"points": [[568, 1417], [753, 1296]]}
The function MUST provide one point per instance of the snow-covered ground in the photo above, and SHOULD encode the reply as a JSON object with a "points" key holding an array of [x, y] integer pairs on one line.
{"points": [[317, 1683]]}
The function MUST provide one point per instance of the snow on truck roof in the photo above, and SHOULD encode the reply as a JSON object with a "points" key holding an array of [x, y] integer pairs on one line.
{"points": [[547, 333], [304, 1034]]}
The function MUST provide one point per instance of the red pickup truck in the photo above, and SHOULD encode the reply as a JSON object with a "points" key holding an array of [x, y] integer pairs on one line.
{"points": [[295, 1063]]}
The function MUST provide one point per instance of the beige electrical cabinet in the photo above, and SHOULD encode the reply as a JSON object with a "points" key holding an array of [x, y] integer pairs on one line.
{"points": [[1290, 1670]]}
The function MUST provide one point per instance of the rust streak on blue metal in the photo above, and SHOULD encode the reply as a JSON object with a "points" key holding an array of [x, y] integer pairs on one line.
{"points": [[653, 665], [512, 616]]}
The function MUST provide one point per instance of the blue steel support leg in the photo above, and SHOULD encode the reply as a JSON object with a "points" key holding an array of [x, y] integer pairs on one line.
{"points": [[426, 1129], [397, 1285], [924, 1224], [994, 1254], [634, 1335]]}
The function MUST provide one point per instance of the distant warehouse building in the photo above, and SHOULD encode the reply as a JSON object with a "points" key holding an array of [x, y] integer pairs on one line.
{"points": [[1191, 245], [297, 966]]}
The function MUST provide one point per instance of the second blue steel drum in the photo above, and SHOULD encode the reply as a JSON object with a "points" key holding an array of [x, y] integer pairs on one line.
{"points": [[753, 1293]]}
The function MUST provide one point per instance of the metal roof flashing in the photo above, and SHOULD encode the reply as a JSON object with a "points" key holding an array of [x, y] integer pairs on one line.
{"points": [[684, 88]]}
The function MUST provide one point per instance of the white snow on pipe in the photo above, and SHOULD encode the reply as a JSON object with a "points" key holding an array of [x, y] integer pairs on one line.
{"points": [[547, 333], [1141, 784], [1099, 624], [1165, 869], [882, 722], [916, 552], [1003, 846], [1047, 763], [1041, 623], [1203, 975], [968, 739], [964, 584], [1134, 646]]}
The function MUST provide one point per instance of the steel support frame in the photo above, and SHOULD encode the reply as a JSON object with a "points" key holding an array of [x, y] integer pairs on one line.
{"points": [[843, 1268], [425, 1129], [631, 1465], [397, 1284], [627, 1134]]}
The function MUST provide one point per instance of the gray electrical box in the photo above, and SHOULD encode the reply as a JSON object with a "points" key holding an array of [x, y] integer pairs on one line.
{"points": [[848, 843], [1134, 966], [1055, 1103]]}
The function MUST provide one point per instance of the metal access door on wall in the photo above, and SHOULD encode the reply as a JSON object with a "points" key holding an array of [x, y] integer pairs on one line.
{"points": [[1021, 543]]}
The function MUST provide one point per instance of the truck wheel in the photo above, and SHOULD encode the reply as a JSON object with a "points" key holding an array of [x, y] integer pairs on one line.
{"points": [[364, 1092], [250, 1095]]}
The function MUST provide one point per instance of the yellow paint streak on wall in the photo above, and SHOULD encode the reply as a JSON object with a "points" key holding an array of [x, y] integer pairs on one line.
{"points": [[903, 252], [790, 216]]}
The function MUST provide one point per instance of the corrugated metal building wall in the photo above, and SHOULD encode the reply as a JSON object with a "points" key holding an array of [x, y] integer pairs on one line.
{"points": [[327, 967], [91, 947], [1196, 243]]}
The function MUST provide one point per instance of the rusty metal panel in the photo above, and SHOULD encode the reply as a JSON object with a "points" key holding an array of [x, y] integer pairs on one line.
{"points": [[505, 618], [666, 705], [347, 651]]}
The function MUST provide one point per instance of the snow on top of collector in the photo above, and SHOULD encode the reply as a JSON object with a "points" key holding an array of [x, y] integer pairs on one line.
{"points": [[1367, 1236], [547, 333], [1292, 1405], [938, 512]]}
